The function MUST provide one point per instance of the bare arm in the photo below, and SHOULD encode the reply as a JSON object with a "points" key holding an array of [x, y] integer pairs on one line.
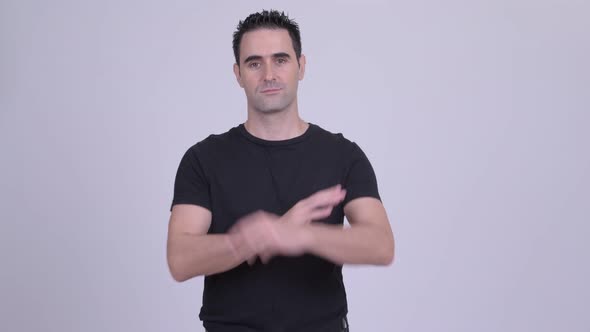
{"points": [[191, 251], [369, 240]]}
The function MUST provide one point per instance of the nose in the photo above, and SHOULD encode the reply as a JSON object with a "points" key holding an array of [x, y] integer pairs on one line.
{"points": [[269, 74]]}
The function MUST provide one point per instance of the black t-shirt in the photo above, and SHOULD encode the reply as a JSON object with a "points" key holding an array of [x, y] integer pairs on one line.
{"points": [[236, 173]]}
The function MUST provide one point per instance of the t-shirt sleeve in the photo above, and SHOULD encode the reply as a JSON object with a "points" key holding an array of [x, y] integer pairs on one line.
{"points": [[360, 180], [191, 185]]}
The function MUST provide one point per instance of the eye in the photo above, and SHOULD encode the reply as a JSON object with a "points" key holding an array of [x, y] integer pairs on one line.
{"points": [[254, 65], [281, 61]]}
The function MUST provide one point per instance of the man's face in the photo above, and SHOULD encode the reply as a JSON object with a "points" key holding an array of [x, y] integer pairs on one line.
{"points": [[268, 70]]}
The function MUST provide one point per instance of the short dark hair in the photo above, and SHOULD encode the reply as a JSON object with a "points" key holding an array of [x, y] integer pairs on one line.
{"points": [[269, 19]]}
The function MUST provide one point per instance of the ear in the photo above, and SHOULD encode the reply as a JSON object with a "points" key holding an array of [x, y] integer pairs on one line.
{"points": [[301, 66], [237, 73]]}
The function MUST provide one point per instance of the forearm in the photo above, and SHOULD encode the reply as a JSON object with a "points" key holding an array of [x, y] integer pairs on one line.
{"points": [[362, 244], [194, 255]]}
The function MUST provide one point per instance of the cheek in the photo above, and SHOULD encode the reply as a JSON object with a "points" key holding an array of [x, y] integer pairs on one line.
{"points": [[249, 84], [294, 74]]}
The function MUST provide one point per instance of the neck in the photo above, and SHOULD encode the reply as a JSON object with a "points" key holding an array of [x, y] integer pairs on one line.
{"points": [[275, 126]]}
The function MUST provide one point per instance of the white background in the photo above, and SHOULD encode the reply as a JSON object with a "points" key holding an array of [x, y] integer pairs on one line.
{"points": [[475, 115]]}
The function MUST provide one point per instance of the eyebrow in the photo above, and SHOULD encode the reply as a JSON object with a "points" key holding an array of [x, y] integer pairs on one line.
{"points": [[275, 55]]}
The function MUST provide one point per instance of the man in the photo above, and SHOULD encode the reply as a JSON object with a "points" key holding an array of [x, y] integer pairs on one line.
{"points": [[259, 209]]}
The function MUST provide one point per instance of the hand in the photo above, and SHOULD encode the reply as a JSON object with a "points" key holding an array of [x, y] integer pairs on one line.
{"points": [[247, 235], [315, 207], [286, 240], [261, 235]]}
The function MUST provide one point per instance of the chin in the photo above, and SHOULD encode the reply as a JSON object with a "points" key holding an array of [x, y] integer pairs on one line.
{"points": [[270, 110]]}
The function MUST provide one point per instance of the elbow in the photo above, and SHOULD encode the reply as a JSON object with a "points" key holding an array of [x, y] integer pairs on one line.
{"points": [[178, 277], [384, 258], [387, 254], [390, 250], [388, 258], [176, 270]]}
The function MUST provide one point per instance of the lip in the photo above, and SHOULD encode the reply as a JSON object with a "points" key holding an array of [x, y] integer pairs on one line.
{"points": [[270, 91]]}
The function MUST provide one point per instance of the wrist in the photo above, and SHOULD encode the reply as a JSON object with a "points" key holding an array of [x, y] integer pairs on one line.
{"points": [[307, 237], [234, 242]]}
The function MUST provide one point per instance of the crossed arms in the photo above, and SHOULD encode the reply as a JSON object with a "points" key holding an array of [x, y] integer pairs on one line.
{"points": [[192, 252]]}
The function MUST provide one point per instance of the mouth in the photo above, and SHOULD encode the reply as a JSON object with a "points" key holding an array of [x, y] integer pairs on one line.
{"points": [[270, 91]]}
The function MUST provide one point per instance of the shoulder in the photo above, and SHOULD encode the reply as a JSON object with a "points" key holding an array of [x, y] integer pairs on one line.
{"points": [[326, 136], [209, 152], [214, 142], [335, 141]]}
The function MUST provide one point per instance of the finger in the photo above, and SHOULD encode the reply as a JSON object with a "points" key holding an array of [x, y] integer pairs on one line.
{"points": [[326, 202], [252, 260], [320, 213], [325, 198], [265, 258]]}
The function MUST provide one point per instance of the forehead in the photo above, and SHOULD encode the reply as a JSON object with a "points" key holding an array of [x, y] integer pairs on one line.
{"points": [[265, 42]]}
